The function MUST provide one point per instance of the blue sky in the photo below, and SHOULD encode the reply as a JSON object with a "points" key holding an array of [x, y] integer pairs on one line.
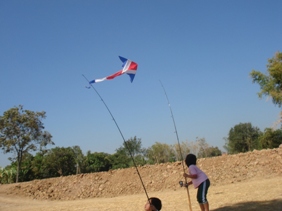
{"points": [[202, 51]]}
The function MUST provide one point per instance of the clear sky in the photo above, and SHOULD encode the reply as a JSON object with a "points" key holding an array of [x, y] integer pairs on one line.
{"points": [[202, 51]]}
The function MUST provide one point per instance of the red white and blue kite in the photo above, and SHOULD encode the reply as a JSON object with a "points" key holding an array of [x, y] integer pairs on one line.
{"points": [[129, 67]]}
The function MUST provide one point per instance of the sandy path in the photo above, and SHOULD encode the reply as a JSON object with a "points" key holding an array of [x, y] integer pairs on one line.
{"points": [[262, 195]]}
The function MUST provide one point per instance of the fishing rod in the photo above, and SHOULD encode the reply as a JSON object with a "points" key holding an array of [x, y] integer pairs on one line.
{"points": [[126, 145], [175, 130]]}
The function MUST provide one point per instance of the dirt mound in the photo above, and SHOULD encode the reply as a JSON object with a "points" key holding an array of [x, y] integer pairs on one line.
{"points": [[221, 170]]}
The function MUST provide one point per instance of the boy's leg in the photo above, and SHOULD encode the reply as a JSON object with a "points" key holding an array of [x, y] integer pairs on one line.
{"points": [[202, 195], [206, 205], [202, 207]]}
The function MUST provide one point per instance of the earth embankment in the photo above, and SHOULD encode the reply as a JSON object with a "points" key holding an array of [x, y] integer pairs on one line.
{"points": [[222, 170]]}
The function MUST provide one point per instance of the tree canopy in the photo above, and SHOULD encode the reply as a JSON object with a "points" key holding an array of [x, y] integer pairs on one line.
{"points": [[271, 138], [22, 131], [60, 161], [160, 153], [97, 161], [271, 83], [243, 137]]}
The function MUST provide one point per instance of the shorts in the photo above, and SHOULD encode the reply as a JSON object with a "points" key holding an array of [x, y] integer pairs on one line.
{"points": [[202, 192]]}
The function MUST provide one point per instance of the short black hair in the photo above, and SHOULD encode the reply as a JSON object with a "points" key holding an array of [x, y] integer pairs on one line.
{"points": [[156, 202], [191, 159]]}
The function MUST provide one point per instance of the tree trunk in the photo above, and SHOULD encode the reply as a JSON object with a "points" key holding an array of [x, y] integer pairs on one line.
{"points": [[19, 160], [18, 170], [77, 168]]}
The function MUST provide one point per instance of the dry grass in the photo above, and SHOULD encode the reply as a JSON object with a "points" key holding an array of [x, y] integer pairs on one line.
{"points": [[262, 195]]}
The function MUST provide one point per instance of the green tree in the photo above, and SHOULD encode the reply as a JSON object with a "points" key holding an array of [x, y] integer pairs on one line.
{"points": [[21, 131], [1, 174], [97, 162], [183, 147], [39, 166], [26, 173], [78, 157], [8, 174], [210, 152], [198, 147], [120, 159], [271, 83], [203, 147], [60, 161], [270, 138], [130, 153], [133, 146], [242, 137], [160, 153]]}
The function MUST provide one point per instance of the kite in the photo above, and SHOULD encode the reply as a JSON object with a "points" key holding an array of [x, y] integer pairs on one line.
{"points": [[129, 67]]}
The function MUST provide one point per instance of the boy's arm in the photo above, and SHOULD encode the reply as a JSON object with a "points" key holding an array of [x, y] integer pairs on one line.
{"points": [[187, 184], [192, 176]]}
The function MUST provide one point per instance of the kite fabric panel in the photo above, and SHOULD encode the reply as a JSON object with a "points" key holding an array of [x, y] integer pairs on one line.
{"points": [[129, 67]]}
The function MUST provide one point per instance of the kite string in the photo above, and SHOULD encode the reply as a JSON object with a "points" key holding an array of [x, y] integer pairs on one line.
{"points": [[126, 145], [181, 156]]}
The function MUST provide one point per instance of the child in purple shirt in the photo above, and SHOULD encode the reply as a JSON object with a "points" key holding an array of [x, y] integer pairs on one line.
{"points": [[199, 180]]}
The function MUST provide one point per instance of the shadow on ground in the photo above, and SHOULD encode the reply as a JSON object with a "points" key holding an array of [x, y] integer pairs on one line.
{"points": [[273, 205]]}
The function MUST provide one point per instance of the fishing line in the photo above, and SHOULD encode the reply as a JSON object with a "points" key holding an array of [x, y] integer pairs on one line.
{"points": [[175, 130], [126, 145]]}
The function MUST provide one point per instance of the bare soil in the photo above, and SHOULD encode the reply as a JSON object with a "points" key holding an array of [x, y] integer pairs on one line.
{"points": [[246, 181]]}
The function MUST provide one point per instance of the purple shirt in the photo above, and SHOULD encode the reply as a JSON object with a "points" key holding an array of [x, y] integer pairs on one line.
{"points": [[201, 176]]}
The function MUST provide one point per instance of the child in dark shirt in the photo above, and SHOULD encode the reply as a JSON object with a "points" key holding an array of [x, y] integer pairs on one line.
{"points": [[153, 204]]}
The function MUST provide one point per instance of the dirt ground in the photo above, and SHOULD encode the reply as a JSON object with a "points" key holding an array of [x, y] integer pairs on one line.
{"points": [[259, 194], [245, 181]]}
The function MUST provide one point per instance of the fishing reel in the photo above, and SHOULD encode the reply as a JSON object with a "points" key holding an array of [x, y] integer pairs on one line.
{"points": [[183, 184]]}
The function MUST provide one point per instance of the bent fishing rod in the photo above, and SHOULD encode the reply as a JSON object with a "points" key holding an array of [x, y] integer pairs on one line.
{"points": [[175, 130], [126, 145]]}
